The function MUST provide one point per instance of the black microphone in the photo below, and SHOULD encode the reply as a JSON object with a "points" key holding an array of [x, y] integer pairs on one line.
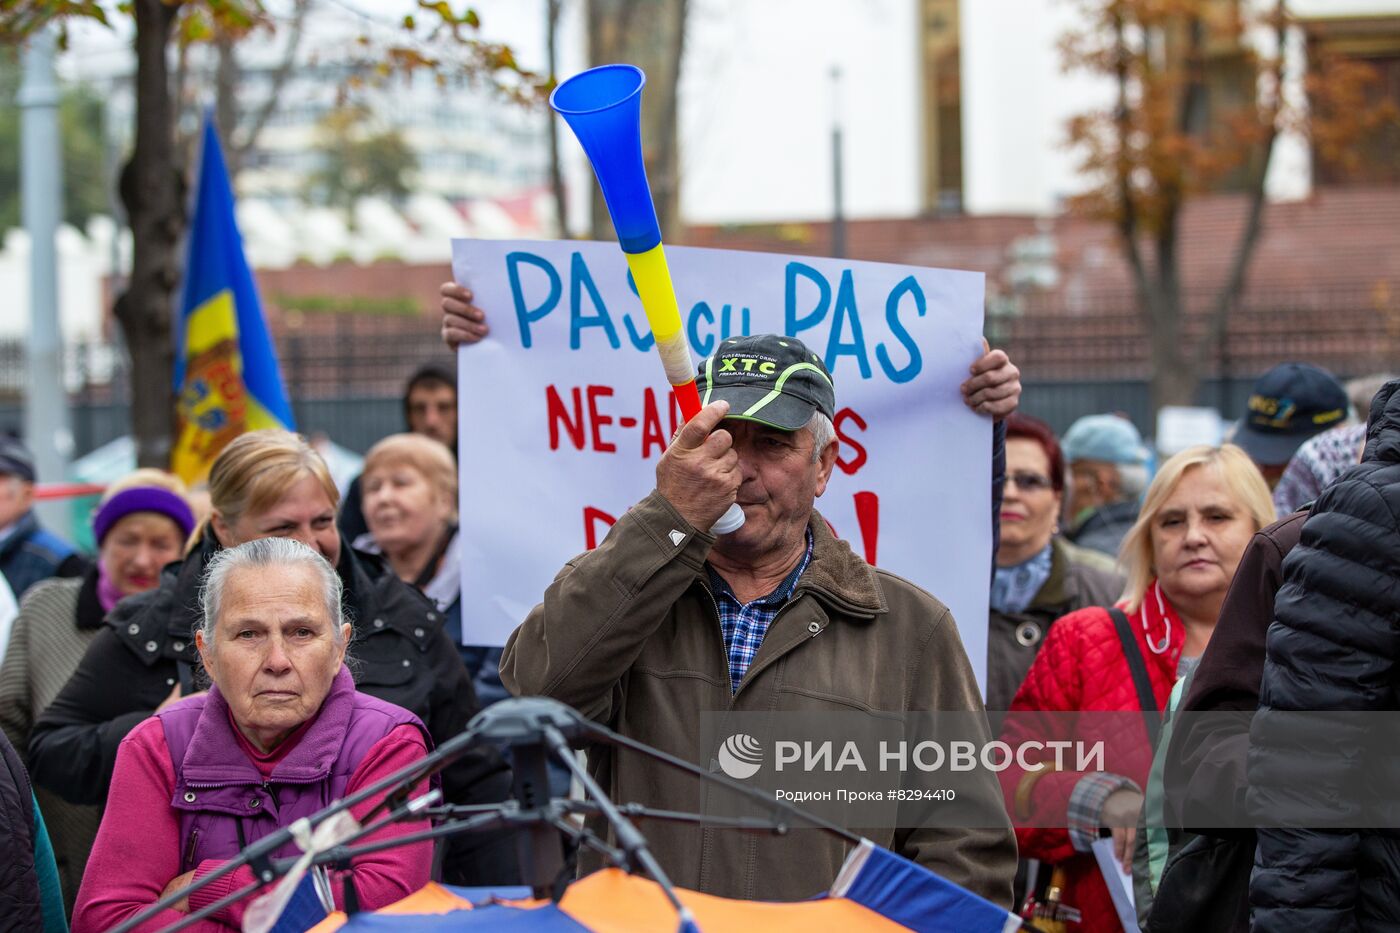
{"points": [[521, 724]]}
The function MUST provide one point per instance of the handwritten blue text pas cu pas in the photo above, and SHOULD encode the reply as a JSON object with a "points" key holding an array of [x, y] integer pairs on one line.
{"points": [[537, 290]]}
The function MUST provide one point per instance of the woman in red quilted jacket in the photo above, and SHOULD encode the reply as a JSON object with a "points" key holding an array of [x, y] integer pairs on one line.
{"points": [[1197, 516]]}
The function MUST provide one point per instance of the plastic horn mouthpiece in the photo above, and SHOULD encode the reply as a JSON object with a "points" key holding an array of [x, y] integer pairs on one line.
{"points": [[731, 520]]}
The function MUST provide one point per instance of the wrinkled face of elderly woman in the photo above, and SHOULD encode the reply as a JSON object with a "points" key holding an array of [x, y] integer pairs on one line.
{"points": [[403, 508], [275, 650]]}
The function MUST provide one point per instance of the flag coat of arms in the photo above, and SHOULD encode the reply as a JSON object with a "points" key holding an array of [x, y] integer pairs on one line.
{"points": [[226, 375]]}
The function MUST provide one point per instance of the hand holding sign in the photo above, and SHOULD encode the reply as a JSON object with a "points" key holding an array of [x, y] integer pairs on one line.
{"points": [[462, 321], [995, 386], [699, 473]]}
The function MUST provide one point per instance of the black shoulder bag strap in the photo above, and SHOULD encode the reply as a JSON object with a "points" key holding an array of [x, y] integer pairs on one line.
{"points": [[185, 671], [430, 569], [1138, 667]]}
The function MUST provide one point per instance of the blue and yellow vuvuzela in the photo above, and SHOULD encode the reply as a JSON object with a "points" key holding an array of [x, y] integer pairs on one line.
{"points": [[603, 107], [226, 376]]}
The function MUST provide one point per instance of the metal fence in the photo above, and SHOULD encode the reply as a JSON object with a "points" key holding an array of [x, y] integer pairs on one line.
{"points": [[345, 373], [357, 421], [1060, 403], [1348, 331], [353, 422], [348, 386]]}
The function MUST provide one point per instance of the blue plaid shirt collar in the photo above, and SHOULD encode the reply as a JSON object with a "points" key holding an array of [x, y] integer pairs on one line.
{"points": [[744, 624]]}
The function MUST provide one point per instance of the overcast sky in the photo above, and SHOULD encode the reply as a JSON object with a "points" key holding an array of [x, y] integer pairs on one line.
{"points": [[758, 100], [757, 97]]}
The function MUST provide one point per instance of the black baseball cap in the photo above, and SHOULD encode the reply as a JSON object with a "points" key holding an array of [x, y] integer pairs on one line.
{"points": [[773, 380], [16, 460], [1290, 403]]}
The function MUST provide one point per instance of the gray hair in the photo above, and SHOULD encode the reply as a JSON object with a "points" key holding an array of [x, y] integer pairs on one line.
{"points": [[1362, 390], [268, 553], [1132, 479], [823, 433]]}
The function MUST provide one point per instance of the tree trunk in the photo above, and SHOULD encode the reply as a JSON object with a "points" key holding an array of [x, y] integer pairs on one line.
{"points": [[226, 99], [665, 165], [1174, 375], [151, 189], [1217, 329], [1173, 378], [651, 35], [1172, 383], [556, 173]]}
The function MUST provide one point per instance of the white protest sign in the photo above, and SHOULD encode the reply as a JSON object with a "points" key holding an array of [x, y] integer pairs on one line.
{"points": [[565, 410], [1181, 426]]}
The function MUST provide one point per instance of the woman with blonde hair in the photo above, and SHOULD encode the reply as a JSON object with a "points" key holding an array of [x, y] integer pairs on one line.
{"points": [[140, 525], [409, 498], [409, 483], [265, 484], [1198, 515]]}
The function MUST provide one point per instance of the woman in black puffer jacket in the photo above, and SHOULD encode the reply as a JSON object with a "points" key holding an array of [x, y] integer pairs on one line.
{"points": [[1333, 647]]}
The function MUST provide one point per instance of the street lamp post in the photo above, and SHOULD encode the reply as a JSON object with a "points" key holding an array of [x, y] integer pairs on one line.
{"points": [[41, 200], [838, 220]]}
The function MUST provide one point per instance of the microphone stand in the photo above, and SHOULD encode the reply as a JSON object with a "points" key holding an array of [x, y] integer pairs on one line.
{"points": [[527, 723], [258, 856], [534, 728], [277, 868], [633, 843]]}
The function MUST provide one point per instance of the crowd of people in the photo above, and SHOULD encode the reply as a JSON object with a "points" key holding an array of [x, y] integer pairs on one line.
{"points": [[225, 667]]}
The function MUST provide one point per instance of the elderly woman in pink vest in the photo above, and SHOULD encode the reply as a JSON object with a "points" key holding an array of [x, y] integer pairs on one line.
{"points": [[280, 734]]}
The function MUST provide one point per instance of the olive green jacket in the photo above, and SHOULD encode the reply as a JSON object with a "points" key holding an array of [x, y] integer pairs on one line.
{"points": [[1078, 578], [629, 635]]}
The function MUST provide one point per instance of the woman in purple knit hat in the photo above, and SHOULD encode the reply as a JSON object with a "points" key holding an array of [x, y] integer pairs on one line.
{"points": [[141, 524]]}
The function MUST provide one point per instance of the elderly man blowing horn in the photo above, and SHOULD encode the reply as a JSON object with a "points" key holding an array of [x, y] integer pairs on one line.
{"points": [[664, 621]]}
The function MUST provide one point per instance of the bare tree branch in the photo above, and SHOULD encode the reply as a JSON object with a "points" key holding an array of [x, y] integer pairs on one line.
{"points": [[1128, 222], [1229, 292], [556, 172], [226, 75], [249, 138], [1191, 112]]}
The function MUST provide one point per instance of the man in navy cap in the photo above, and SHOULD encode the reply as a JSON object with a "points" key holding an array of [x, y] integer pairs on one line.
{"points": [[1290, 403], [1108, 472], [28, 553]]}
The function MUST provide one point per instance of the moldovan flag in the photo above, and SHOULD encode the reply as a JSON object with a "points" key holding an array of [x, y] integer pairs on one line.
{"points": [[226, 376]]}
